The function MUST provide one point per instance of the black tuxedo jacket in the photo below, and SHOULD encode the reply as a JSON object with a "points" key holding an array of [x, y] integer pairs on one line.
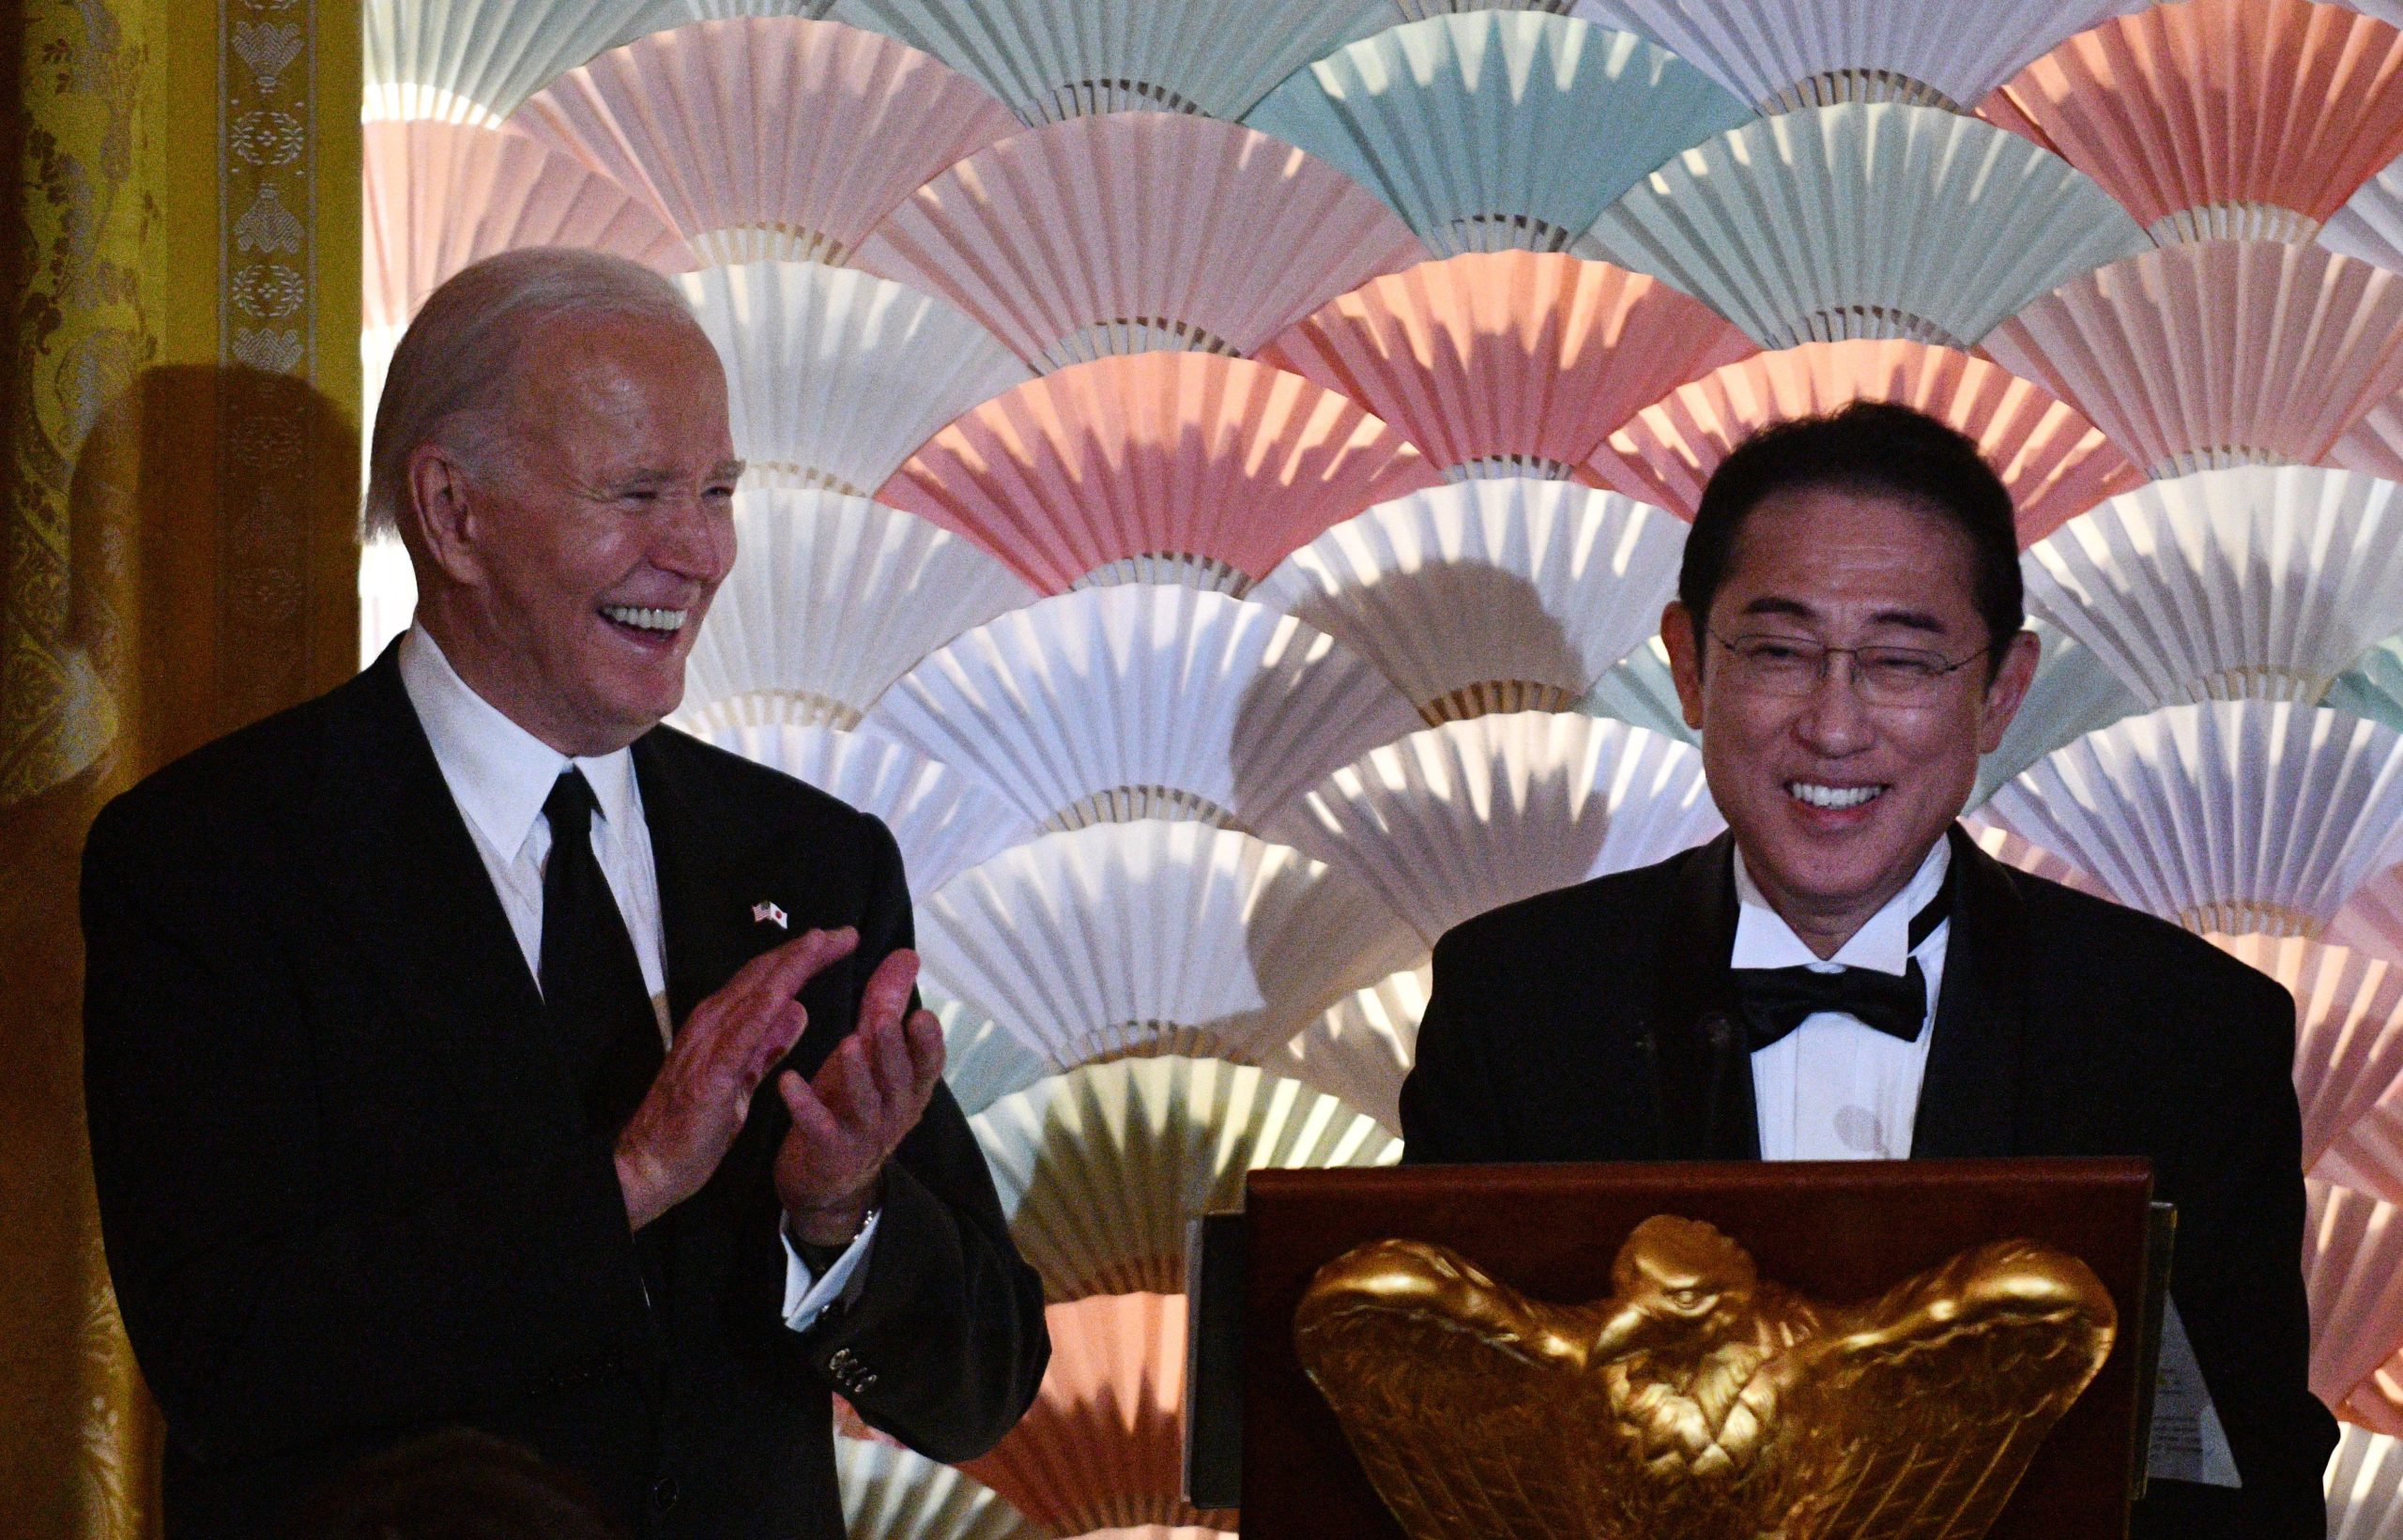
{"points": [[1574, 1026], [346, 1188]]}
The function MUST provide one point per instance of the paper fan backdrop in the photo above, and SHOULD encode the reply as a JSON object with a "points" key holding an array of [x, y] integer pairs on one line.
{"points": [[832, 376], [1790, 55], [2234, 815], [1640, 692], [2253, 582], [2349, 1029], [2370, 225], [1866, 221], [945, 821], [2034, 860], [473, 61], [2056, 464], [2373, 687], [2375, 443], [767, 136], [1053, 59], [1149, 937], [1142, 701], [1101, 1451], [1138, 231], [2075, 694], [1506, 595], [441, 195], [2352, 1266], [1099, 1168], [895, 1493], [2372, 919], [2219, 119], [2193, 357], [1158, 466], [982, 1060], [2366, 1486], [832, 598], [1498, 129], [1507, 362], [1455, 820], [1361, 1049]]}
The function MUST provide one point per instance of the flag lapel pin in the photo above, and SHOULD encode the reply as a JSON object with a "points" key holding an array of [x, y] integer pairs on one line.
{"points": [[768, 914]]}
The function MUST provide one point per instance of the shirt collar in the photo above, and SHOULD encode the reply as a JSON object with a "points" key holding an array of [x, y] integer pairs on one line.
{"points": [[1764, 939], [498, 774]]}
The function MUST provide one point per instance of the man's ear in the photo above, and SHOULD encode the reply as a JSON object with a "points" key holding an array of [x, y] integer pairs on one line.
{"points": [[437, 507], [1678, 634], [2009, 688]]}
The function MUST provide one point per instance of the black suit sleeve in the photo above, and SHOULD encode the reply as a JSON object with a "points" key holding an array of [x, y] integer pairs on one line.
{"points": [[1449, 1111], [270, 1314], [948, 1321]]}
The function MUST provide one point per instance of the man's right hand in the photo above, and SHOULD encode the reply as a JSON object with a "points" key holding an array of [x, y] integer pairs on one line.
{"points": [[702, 1094]]}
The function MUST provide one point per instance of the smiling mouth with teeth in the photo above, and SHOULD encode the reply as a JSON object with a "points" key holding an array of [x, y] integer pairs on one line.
{"points": [[643, 617], [1832, 797]]}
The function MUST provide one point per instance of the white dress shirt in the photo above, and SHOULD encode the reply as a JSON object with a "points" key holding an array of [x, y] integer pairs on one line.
{"points": [[500, 775], [1836, 1088]]}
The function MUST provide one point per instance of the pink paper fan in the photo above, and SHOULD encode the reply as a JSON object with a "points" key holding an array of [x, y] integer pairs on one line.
{"points": [[1102, 1446], [441, 195], [1136, 231], [2194, 358], [2349, 1029], [2377, 1402], [2352, 1266], [2056, 463], [2374, 444], [1516, 362], [767, 136], [1179, 467], [2021, 854], [2212, 119], [2372, 920]]}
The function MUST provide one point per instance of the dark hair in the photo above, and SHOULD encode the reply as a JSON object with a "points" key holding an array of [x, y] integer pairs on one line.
{"points": [[1867, 447], [457, 1484]]}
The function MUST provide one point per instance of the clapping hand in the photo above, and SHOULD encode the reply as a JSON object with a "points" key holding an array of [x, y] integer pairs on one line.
{"points": [[866, 1098]]}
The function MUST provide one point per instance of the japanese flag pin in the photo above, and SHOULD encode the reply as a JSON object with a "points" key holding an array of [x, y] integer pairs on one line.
{"points": [[765, 913]]}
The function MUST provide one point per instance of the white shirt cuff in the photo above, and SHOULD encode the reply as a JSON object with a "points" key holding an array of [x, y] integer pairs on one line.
{"points": [[807, 1296]]}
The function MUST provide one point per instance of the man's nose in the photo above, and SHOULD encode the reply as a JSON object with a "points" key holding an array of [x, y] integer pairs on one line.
{"points": [[1833, 719], [695, 541]]}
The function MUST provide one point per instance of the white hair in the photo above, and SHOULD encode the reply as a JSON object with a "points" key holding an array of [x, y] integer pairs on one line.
{"points": [[451, 376]]}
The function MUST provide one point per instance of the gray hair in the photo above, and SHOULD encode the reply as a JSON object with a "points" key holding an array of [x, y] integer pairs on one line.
{"points": [[452, 374]]}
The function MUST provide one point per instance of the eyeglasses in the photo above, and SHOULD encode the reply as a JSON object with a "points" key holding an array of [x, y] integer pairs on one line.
{"points": [[1881, 675]]}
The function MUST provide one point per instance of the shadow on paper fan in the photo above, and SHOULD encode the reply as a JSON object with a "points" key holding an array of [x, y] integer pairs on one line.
{"points": [[2017, 853], [894, 1493], [1136, 232], [2373, 687], [1507, 362], [1492, 595], [2368, 1156], [2370, 225], [1497, 128], [1100, 1168], [1916, 223], [1101, 1451], [1360, 1050], [983, 1062], [2366, 1486], [2196, 357], [766, 137], [1640, 691], [2352, 1269], [2075, 694], [473, 61], [2219, 119], [2349, 1029]]}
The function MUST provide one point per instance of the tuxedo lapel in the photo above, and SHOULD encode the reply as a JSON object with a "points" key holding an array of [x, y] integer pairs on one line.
{"points": [[1702, 1071], [704, 917], [1968, 1101]]}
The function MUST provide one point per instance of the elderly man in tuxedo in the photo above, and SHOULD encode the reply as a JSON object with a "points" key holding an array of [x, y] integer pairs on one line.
{"points": [[465, 1048], [1845, 975]]}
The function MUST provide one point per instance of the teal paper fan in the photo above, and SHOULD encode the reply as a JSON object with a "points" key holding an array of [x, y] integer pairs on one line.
{"points": [[1875, 221], [1056, 59], [1498, 129], [473, 61]]}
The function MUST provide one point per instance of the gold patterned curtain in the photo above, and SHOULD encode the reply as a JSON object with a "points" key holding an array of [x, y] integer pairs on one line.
{"points": [[178, 465]]}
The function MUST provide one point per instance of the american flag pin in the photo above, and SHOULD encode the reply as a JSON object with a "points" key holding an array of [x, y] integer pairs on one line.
{"points": [[769, 914]]}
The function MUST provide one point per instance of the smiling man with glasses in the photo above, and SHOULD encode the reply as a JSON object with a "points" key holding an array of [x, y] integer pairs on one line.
{"points": [[1845, 975]]}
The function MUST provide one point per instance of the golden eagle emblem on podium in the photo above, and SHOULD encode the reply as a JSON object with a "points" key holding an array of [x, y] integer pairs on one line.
{"points": [[1699, 1400]]}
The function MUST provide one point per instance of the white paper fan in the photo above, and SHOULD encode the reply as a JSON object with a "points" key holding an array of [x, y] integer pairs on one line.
{"points": [[2252, 582], [1051, 59], [1640, 691], [1099, 1168], [894, 1493], [667, 15], [945, 821], [982, 1062], [1154, 938], [1498, 129], [2372, 920], [1361, 1049], [2349, 1029], [1145, 700], [1138, 231], [2232, 815], [833, 376], [1784, 55], [2018, 854], [2366, 1486], [1455, 820], [832, 598], [2373, 687], [1503, 595], [2370, 225], [2352, 1266], [2075, 694], [473, 61], [1869, 221]]}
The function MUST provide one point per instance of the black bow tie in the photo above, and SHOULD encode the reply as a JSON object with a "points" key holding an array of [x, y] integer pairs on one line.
{"points": [[1772, 1001]]}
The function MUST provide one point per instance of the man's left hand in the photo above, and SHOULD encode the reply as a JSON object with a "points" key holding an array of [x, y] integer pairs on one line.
{"points": [[866, 1098]]}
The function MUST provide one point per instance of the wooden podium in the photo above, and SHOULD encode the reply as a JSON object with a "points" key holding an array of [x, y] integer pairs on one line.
{"points": [[1835, 1231]]}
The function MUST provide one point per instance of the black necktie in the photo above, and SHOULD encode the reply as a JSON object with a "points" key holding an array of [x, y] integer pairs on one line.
{"points": [[1772, 1001], [593, 986]]}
